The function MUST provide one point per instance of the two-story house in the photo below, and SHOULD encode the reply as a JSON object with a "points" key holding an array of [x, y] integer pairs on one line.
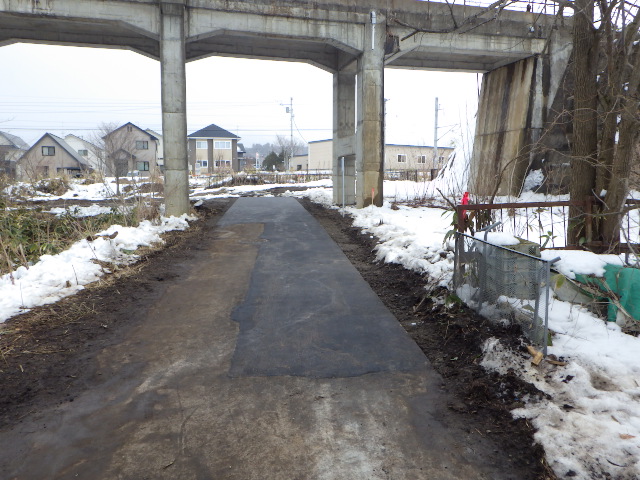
{"points": [[130, 149], [49, 157], [11, 149], [213, 149], [90, 152]]}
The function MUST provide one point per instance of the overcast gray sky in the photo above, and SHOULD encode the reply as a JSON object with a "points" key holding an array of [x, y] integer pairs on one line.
{"points": [[62, 90]]}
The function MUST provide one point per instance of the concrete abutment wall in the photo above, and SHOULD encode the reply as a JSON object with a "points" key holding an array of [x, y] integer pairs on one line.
{"points": [[500, 154], [519, 124]]}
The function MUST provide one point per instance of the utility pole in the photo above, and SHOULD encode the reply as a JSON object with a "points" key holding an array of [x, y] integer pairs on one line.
{"points": [[290, 112]]}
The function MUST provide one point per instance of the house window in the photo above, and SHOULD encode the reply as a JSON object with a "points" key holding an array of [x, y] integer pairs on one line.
{"points": [[201, 144], [142, 145], [129, 128], [48, 151], [204, 163], [83, 153], [402, 158], [422, 159], [222, 145], [441, 159], [143, 166]]}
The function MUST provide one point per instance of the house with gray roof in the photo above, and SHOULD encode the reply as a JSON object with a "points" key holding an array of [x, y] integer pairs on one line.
{"points": [[12, 148], [49, 157], [213, 149]]}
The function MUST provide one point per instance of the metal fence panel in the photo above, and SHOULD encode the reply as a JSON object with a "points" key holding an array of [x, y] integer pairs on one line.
{"points": [[505, 283]]}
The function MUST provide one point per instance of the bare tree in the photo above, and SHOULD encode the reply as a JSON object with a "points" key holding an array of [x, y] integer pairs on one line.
{"points": [[289, 147], [606, 120], [114, 147]]}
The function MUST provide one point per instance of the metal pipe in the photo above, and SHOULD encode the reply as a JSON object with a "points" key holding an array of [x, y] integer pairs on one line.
{"points": [[374, 21], [343, 185], [546, 310]]}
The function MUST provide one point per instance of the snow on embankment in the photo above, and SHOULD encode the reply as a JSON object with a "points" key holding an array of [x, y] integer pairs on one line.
{"points": [[57, 276]]}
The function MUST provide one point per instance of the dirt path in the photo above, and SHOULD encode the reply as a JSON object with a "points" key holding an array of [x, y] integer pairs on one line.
{"points": [[50, 352]]}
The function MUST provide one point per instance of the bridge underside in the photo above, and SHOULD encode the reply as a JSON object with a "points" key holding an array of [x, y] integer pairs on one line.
{"points": [[426, 51], [347, 40]]}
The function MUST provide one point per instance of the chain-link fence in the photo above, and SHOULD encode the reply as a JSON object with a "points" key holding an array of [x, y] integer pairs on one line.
{"points": [[505, 283]]}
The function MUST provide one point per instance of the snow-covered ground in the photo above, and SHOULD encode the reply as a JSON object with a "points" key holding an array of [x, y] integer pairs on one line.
{"points": [[590, 426], [57, 276]]}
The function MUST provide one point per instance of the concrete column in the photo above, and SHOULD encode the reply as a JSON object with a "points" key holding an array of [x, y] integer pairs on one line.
{"points": [[370, 131], [344, 129], [174, 107]]}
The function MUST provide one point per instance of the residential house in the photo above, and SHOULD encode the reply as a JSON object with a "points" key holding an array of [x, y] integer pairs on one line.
{"points": [[213, 148], [160, 156], [11, 149], [130, 149], [49, 157], [396, 157], [90, 152]]}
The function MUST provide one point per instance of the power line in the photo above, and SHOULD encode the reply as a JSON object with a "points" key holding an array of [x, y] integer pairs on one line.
{"points": [[158, 127]]}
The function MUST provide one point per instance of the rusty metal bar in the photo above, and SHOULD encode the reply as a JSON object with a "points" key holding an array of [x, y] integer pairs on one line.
{"points": [[498, 206]]}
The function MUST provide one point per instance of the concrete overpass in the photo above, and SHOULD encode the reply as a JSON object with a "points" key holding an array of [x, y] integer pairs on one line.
{"points": [[354, 42]]}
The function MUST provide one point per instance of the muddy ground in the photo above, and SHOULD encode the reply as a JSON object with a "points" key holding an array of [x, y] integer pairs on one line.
{"points": [[45, 352]]}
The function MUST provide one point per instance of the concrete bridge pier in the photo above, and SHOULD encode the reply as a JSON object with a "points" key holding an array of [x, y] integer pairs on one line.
{"points": [[344, 131], [174, 106], [370, 131]]}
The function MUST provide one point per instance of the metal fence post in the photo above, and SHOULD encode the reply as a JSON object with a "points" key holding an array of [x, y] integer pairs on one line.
{"points": [[546, 310]]}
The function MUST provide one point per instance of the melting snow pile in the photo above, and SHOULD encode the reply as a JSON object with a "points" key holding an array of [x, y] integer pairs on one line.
{"points": [[57, 276]]}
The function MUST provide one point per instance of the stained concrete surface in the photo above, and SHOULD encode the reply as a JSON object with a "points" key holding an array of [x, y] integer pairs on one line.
{"points": [[270, 359]]}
